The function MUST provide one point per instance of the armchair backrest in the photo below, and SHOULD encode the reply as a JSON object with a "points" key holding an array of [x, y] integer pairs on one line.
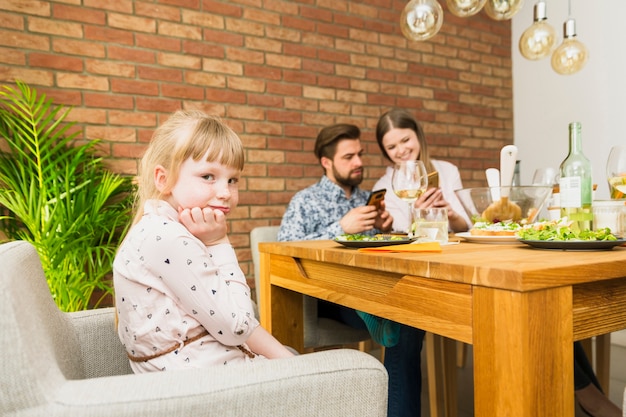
{"points": [[38, 344]]}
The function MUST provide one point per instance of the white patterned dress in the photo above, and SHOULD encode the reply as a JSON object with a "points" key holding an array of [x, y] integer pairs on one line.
{"points": [[170, 287]]}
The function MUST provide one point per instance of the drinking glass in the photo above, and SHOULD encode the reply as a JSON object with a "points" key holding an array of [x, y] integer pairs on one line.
{"points": [[409, 181], [616, 172], [545, 176], [431, 224]]}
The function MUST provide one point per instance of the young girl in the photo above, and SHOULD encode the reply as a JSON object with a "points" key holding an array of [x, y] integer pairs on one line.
{"points": [[181, 298]]}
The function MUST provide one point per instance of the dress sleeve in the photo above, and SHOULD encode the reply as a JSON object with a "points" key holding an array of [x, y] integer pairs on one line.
{"points": [[207, 283]]}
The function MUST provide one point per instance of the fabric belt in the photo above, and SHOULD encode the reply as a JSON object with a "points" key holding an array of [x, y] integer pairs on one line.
{"points": [[165, 352]]}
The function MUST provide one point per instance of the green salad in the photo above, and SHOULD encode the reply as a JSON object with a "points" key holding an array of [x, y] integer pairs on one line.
{"points": [[366, 238], [561, 231]]}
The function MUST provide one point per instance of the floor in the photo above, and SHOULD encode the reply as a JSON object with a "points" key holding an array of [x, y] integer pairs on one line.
{"points": [[465, 379]]}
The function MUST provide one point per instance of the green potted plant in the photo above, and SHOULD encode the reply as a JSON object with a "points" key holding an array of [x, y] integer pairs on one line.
{"points": [[56, 194]]}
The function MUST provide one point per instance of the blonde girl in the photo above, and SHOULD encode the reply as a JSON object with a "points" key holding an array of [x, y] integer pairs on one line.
{"points": [[181, 298]]}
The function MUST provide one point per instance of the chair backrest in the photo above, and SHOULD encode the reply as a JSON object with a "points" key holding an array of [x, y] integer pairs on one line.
{"points": [[39, 347], [257, 235]]}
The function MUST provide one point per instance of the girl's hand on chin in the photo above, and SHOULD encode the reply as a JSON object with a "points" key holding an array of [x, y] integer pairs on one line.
{"points": [[206, 224]]}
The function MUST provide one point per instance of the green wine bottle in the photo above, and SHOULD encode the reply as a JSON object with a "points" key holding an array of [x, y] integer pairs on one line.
{"points": [[575, 183]]}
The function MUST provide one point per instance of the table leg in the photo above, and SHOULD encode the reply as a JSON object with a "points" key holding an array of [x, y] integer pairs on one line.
{"points": [[523, 353], [442, 375], [281, 310]]}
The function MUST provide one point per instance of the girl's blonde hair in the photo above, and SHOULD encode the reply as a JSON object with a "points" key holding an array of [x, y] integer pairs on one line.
{"points": [[186, 134]]}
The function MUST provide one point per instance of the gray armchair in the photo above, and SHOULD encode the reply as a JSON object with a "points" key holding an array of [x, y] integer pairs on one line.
{"points": [[72, 364]]}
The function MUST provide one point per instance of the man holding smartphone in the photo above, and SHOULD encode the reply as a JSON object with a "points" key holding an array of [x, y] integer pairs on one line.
{"points": [[335, 205]]}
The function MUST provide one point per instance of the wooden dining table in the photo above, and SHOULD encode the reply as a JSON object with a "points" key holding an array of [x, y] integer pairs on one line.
{"points": [[521, 308]]}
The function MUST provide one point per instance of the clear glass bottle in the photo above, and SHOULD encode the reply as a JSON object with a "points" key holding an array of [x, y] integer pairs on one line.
{"points": [[575, 183]]}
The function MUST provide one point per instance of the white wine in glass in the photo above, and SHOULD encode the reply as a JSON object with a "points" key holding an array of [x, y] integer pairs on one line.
{"points": [[409, 181], [616, 172]]}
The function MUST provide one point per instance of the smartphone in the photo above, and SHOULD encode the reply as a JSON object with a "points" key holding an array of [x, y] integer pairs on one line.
{"points": [[433, 180], [376, 197]]}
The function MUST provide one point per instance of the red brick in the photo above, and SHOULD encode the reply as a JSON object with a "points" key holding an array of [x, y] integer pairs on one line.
{"points": [[109, 35], [225, 96], [296, 22], [112, 134], [221, 37], [35, 77], [12, 56], [55, 27], [93, 116], [104, 100], [38, 8], [87, 82], [78, 14], [155, 104], [106, 67], [158, 11], [124, 6], [80, 48], [203, 49], [221, 8], [61, 97], [24, 41], [132, 118], [131, 54], [53, 61], [244, 55], [182, 91], [161, 74], [134, 87], [261, 71], [264, 100], [180, 30]]}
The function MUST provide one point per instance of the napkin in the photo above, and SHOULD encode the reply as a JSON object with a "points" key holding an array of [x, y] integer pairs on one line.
{"points": [[409, 247]]}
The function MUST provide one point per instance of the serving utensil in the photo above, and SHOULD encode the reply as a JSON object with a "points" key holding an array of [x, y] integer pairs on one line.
{"points": [[493, 181], [503, 209]]}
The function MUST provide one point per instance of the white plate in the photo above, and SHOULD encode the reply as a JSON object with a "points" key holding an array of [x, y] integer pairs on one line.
{"points": [[487, 239]]}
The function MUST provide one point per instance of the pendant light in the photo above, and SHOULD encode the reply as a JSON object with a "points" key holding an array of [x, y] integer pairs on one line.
{"points": [[538, 40], [571, 55], [465, 8], [503, 9], [421, 19]]}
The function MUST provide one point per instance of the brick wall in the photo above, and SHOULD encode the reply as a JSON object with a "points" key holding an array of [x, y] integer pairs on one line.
{"points": [[276, 71]]}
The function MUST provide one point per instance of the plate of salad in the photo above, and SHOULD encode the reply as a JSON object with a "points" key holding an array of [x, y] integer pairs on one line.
{"points": [[359, 240], [560, 235]]}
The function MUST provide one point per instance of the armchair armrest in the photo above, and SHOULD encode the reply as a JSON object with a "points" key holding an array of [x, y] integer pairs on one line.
{"points": [[328, 383], [101, 349]]}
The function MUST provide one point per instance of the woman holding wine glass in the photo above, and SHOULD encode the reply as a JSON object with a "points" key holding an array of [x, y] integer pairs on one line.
{"points": [[401, 139]]}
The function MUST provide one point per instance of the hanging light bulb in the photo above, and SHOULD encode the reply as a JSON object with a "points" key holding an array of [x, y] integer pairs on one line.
{"points": [[538, 40], [571, 55], [503, 9], [465, 8], [421, 19]]}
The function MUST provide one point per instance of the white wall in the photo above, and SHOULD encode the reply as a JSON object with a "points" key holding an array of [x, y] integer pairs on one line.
{"points": [[545, 102]]}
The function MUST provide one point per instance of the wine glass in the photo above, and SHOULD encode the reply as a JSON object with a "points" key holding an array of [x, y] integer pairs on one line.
{"points": [[409, 181], [544, 176], [616, 172]]}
